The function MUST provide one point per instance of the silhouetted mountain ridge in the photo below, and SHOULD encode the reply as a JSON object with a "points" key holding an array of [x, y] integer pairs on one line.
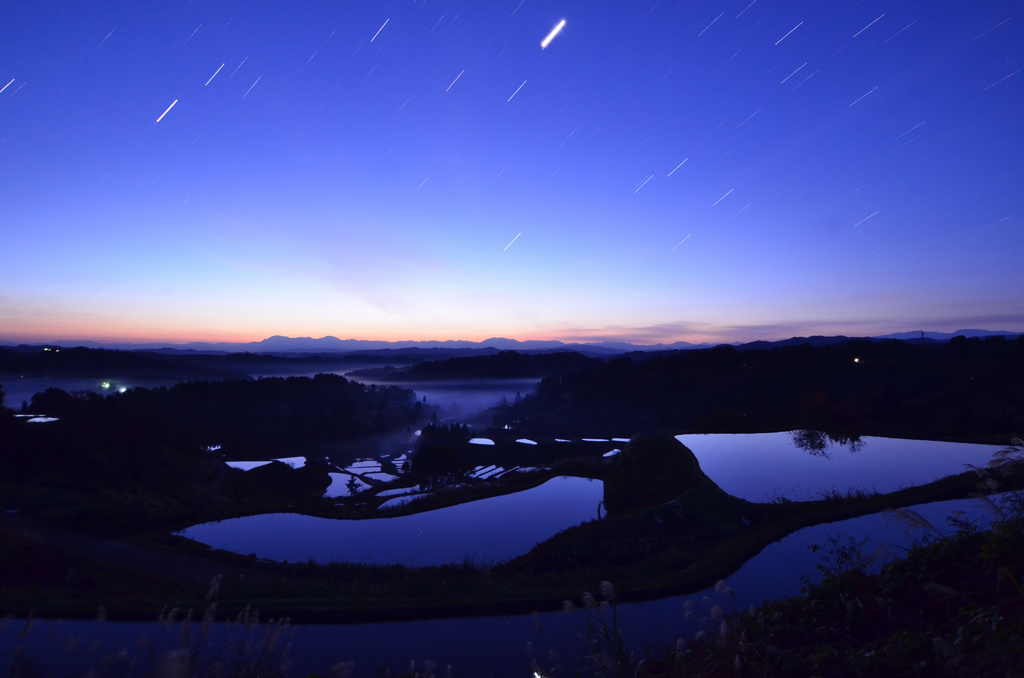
{"points": [[453, 347]]}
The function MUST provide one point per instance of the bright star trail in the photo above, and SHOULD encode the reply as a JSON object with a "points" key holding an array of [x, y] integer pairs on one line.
{"points": [[498, 175], [682, 241], [105, 38], [710, 24], [677, 167], [866, 27], [910, 130], [749, 117], [193, 33], [214, 74], [250, 87], [901, 30], [380, 29], [790, 31], [643, 183], [551, 36], [723, 197], [419, 187], [167, 111], [741, 211], [865, 219], [237, 67], [1002, 79], [869, 92], [455, 80], [793, 73], [351, 169], [516, 92], [992, 29], [745, 9], [804, 80]]}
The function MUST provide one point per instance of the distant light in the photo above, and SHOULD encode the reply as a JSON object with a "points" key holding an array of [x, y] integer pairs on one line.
{"points": [[46, 349], [122, 389], [856, 360], [105, 384], [551, 36]]}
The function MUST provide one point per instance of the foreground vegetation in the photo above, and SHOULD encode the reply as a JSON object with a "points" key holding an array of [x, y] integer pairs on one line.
{"points": [[953, 606]]}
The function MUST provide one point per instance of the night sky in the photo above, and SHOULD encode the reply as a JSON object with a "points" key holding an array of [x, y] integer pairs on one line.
{"points": [[696, 171]]}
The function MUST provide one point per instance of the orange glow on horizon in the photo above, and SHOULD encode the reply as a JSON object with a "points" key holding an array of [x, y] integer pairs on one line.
{"points": [[141, 336]]}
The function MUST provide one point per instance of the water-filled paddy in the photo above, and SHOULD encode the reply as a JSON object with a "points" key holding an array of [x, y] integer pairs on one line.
{"points": [[757, 467], [764, 466], [493, 529], [490, 645]]}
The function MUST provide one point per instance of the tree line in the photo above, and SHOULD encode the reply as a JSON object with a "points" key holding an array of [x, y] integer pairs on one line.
{"points": [[966, 389]]}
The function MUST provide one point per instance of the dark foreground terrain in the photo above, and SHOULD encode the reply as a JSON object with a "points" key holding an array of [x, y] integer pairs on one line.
{"points": [[92, 498]]}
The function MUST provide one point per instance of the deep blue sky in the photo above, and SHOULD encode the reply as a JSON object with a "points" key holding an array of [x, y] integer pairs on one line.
{"points": [[850, 167]]}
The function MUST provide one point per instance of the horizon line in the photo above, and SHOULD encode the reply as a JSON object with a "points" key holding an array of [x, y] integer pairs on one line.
{"points": [[597, 341]]}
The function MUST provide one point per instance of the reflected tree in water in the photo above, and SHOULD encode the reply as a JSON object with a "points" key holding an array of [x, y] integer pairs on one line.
{"points": [[817, 443]]}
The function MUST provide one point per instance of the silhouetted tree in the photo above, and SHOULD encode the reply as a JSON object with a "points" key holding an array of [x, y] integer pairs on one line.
{"points": [[441, 449]]}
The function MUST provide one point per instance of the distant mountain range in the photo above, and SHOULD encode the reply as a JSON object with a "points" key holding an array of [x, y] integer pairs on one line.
{"points": [[281, 344], [307, 345]]}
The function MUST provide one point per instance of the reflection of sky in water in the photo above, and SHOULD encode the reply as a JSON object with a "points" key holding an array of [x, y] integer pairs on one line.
{"points": [[294, 462], [483, 645], [339, 485], [759, 466], [496, 529]]}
